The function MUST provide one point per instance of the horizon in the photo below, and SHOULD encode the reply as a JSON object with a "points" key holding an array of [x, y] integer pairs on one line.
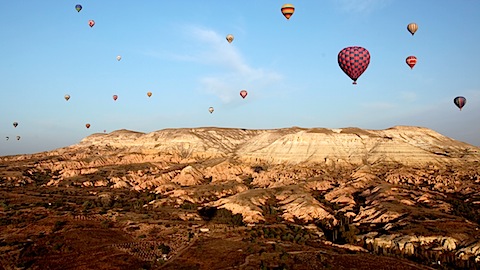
{"points": [[289, 68]]}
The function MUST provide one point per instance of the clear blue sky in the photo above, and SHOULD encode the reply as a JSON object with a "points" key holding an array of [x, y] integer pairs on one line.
{"points": [[177, 50]]}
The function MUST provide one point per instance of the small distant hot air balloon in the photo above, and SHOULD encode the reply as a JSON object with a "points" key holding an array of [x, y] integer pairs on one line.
{"points": [[411, 61], [287, 10], [18, 138], [87, 125], [211, 109], [78, 7], [7, 138], [243, 93], [115, 97], [91, 23], [460, 102], [412, 28], [229, 38], [104, 131], [354, 61], [67, 97], [15, 124], [119, 57], [149, 94]]}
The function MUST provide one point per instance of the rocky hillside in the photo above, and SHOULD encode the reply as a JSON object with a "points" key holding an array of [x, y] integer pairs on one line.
{"points": [[403, 188]]}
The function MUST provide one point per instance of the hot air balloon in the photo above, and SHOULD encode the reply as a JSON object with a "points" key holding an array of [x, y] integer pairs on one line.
{"points": [[78, 7], [411, 61], [460, 102], [211, 109], [18, 138], [119, 57], [91, 23], [87, 125], [149, 94], [15, 124], [287, 10], [7, 138], [104, 131], [354, 61], [229, 38], [67, 97], [412, 28], [243, 93], [115, 97]]}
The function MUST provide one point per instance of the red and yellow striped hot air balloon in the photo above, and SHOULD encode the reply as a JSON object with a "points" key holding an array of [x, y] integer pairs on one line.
{"points": [[411, 61], [287, 10]]}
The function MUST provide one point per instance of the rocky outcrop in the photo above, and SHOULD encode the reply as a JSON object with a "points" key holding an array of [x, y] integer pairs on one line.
{"points": [[408, 186]]}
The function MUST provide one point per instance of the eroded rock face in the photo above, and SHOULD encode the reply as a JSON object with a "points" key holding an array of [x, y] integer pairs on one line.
{"points": [[405, 182]]}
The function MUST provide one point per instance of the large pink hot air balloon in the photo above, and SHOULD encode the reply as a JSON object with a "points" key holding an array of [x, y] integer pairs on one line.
{"points": [[91, 23], [243, 93], [354, 61]]}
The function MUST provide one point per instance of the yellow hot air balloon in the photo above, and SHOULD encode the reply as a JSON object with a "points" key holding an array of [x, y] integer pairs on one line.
{"points": [[287, 10], [229, 38], [412, 28], [149, 94]]}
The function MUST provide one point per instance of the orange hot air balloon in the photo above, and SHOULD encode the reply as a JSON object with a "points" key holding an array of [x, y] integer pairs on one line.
{"points": [[115, 97], [243, 93], [87, 125], [149, 94], [287, 10], [91, 23], [411, 61]]}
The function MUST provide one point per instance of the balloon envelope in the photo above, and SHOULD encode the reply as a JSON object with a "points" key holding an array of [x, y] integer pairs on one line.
{"points": [[211, 109], [119, 57], [87, 125], [460, 102], [288, 10], [411, 61], [78, 7], [243, 93], [412, 28], [354, 61], [18, 138], [67, 97], [115, 97], [15, 124], [149, 94], [229, 38], [91, 23]]}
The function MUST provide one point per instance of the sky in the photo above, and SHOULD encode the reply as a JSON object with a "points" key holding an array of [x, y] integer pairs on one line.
{"points": [[177, 50]]}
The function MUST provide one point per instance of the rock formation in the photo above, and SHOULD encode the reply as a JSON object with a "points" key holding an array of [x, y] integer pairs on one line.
{"points": [[402, 184]]}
